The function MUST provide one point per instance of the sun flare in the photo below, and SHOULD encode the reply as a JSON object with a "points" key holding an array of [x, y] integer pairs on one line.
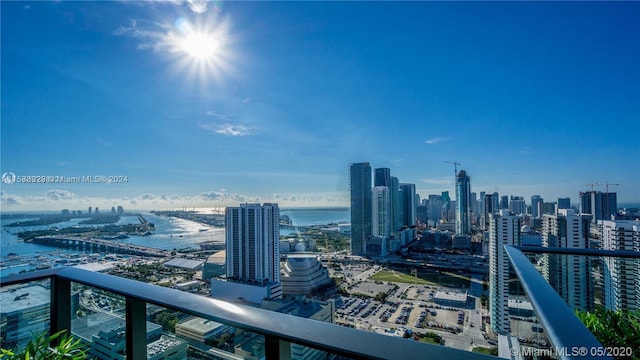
{"points": [[201, 48], [200, 45]]}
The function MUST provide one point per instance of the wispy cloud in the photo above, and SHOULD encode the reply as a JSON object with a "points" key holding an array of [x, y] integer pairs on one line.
{"points": [[438, 181], [8, 199], [228, 129], [64, 199], [169, 37], [103, 142], [436, 140], [217, 115], [527, 150], [197, 6]]}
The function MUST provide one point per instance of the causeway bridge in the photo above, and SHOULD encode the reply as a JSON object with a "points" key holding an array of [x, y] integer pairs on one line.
{"points": [[100, 246]]}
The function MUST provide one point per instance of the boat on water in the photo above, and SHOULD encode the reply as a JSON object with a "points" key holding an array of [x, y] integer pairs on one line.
{"points": [[43, 266]]}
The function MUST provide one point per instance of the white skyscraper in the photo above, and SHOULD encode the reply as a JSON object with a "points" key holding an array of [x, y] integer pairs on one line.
{"points": [[252, 241], [504, 229], [569, 275], [620, 275]]}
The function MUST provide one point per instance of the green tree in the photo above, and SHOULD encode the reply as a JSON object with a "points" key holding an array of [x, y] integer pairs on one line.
{"points": [[483, 300], [167, 320], [381, 296], [614, 328]]}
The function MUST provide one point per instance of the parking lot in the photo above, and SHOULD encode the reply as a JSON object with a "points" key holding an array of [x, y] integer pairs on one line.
{"points": [[410, 308]]}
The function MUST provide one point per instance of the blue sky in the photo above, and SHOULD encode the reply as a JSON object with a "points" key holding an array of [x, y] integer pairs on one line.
{"points": [[530, 97]]}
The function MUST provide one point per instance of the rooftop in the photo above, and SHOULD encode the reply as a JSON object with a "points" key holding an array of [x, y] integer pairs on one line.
{"points": [[184, 263], [27, 297]]}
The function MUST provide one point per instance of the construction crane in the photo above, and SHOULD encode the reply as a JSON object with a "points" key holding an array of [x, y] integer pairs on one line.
{"points": [[592, 184], [607, 186], [455, 167]]}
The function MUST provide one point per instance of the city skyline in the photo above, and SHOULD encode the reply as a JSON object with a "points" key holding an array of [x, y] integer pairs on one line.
{"points": [[209, 104]]}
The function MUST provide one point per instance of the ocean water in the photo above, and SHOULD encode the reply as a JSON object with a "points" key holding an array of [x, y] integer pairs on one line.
{"points": [[308, 217], [171, 233]]}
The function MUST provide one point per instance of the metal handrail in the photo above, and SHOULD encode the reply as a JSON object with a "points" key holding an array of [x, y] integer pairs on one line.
{"points": [[581, 252], [276, 327], [564, 330]]}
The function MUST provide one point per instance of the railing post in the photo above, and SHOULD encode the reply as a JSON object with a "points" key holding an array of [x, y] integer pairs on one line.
{"points": [[274, 348], [60, 306], [136, 331]]}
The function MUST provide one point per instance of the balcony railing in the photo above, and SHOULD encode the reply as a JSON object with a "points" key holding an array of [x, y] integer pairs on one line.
{"points": [[279, 330], [564, 329]]}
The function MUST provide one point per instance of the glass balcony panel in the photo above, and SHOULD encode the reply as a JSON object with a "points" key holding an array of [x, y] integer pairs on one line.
{"points": [[24, 313], [585, 282], [177, 335], [98, 318]]}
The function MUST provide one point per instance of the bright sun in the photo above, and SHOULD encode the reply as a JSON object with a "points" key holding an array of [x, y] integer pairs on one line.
{"points": [[200, 45], [201, 49]]}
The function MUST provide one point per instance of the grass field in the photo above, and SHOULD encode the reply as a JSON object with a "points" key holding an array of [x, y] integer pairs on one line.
{"points": [[424, 278], [445, 279], [395, 276], [487, 351], [429, 340]]}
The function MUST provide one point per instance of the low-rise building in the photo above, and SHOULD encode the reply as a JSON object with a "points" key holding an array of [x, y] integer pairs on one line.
{"points": [[301, 274], [214, 266], [453, 299], [201, 330], [104, 334], [187, 264], [26, 311]]}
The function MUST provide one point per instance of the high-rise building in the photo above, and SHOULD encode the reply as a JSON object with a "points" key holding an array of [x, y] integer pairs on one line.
{"points": [[409, 209], [396, 205], [434, 208], [381, 212], [473, 203], [504, 229], [517, 205], [445, 197], [408, 192], [600, 205], [463, 206], [496, 201], [504, 202], [487, 210], [536, 206], [569, 275], [382, 177], [361, 206], [620, 274], [446, 205], [564, 203], [548, 208], [636, 248], [252, 243]]}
